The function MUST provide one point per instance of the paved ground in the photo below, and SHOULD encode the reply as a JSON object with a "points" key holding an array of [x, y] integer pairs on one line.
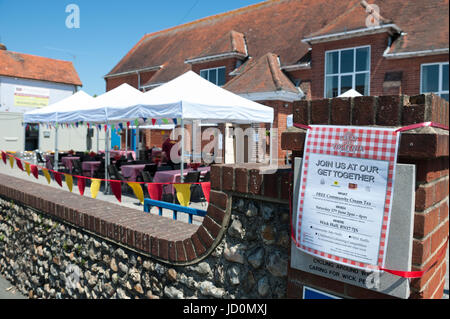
{"points": [[9, 292]]}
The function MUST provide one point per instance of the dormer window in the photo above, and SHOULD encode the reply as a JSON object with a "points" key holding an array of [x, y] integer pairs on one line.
{"points": [[214, 75]]}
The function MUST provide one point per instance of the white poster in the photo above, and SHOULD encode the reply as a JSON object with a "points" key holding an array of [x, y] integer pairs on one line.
{"points": [[345, 194]]}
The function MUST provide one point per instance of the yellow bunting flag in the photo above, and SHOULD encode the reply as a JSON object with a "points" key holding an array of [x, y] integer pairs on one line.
{"points": [[28, 168], [69, 181], [183, 193], [11, 161], [47, 175], [137, 189], [95, 186]]}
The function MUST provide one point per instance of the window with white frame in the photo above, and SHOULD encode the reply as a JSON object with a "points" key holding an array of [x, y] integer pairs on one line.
{"points": [[434, 79], [347, 69], [214, 75]]}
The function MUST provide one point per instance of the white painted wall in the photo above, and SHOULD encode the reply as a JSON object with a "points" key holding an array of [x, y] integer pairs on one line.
{"points": [[12, 133]]}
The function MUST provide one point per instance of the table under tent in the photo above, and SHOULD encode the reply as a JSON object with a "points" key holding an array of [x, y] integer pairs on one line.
{"points": [[182, 101]]}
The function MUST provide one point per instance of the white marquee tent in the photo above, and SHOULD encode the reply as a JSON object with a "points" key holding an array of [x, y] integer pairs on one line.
{"points": [[188, 97]]}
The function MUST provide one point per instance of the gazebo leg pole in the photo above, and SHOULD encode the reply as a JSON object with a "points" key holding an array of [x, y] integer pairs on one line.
{"points": [[106, 159], [56, 157], [271, 144], [182, 152]]}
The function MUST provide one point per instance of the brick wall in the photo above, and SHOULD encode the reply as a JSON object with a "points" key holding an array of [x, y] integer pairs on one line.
{"points": [[379, 66], [427, 148], [239, 251]]}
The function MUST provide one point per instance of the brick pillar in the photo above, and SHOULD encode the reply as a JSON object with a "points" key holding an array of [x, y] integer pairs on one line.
{"points": [[427, 148]]}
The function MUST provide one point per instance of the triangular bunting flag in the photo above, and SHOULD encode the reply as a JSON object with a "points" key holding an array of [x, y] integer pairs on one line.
{"points": [[11, 161], [69, 181], [183, 193], [19, 163], [58, 178], [34, 171], [121, 126], [27, 168], [95, 187], [153, 121], [81, 185], [206, 188], [137, 189], [4, 157], [155, 191], [116, 188], [136, 122], [47, 175], [174, 121], [165, 121]]}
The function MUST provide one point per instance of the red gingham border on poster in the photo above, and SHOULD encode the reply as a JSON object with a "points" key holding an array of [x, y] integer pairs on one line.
{"points": [[379, 144]]}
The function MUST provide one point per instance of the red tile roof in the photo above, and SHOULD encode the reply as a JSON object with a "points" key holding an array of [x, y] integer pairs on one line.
{"points": [[272, 26], [269, 77], [278, 26], [232, 42], [33, 67], [425, 23]]}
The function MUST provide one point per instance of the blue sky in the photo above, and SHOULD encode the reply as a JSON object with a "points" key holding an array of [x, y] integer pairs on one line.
{"points": [[108, 29]]}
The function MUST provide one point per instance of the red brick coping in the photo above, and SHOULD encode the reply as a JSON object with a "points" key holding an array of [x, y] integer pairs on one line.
{"points": [[158, 237]]}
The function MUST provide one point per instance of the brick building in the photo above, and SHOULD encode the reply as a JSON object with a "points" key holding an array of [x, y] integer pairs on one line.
{"points": [[279, 52], [28, 82]]}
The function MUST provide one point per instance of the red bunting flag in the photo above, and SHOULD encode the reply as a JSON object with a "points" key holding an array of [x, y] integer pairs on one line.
{"points": [[34, 171], [116, 188], [81, 185], [153, 121], [4, 157], [155, 191], [19, 164], [58, 178], [206, 188]]}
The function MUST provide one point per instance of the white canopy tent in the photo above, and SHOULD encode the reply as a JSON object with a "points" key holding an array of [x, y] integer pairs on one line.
{"points": [[188, 98], [51, 113], [350, 93]]}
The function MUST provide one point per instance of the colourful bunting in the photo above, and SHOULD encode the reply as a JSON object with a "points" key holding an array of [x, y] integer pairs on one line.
{"points": [[174, 121], [183, 193], [153, 121], [4, 157], [137, 189], [165, 121], [34, 171], [11, 161], [136, 122], [58, 178], [19, 164], [116, 188], [95, 187], [47, 175], [69, 181], [27, 168], [81, 185], [206, 188], [155, 191]]}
